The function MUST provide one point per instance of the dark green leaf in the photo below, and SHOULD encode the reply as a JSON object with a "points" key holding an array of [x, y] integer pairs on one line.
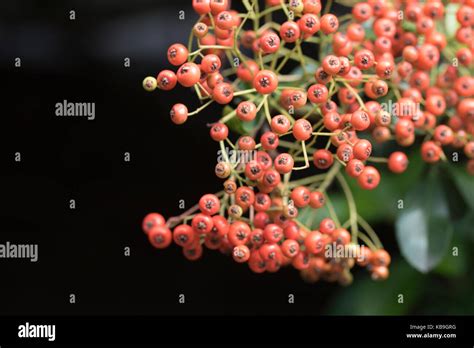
{"points": [[454, 264], [367, 297], [424, 228], [464, 183]]}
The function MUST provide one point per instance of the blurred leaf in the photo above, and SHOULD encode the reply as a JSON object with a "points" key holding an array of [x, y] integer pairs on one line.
{"points": [[454, 265], [465, 226], [424, 228], [409, 26], [451, 23], [457, 204], [381, 204], [368, 297], [464, 183]]}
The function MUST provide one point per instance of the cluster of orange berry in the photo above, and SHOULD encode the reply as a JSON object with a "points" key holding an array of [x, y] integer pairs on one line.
{"points": [[331, 109]]}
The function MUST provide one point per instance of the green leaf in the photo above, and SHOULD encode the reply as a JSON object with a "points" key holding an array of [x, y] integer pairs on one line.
{"points": [[367, 297], [454, 264], [451, 23], [423, 228], [464, 227], [464, 183]]}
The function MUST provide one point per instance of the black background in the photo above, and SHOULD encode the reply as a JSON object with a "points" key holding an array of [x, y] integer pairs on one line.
{"points": [[81, 251]]}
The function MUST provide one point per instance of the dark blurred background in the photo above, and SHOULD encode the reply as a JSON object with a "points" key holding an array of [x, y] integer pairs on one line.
{"points": [[81, 251]]}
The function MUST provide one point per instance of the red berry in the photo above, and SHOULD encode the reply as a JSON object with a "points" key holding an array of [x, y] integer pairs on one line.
{"points": [[166, 80], [290, 248], [209, 204], [397, 162], [223, 93], [160, 237], [188, 74], [152, 220], [284, 163], [179, 113], [314, 242], [302, 129], [219, 131], [246, 111], [202, 223], [369, 178], [241, 253], [430, 152], [360, 120], [183, 235], [265, 82], [323, 159], [177, 54], [354, 167]]}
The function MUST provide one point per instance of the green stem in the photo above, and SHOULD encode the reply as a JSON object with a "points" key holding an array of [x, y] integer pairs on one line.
{"points": [[352, 206]]}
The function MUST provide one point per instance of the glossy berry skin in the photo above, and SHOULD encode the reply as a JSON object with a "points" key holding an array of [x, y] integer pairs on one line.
{"points": [[302, 129], [239, 233], [160, 237], [314, 242], [289, 31], [179, 113], [284, 163], [219, 131], [269, 42], [188, 74], [166, 80], [223, 93], [364, 59], [177, 54], [265, 82], [360, 120], [397, 162], [211, 63], [246, 111], [270, 252], [362, 149], [290, 248], [220, 225], [271, 178], [369, 178], [269, 141], [309, 24], [318, 93], [329, 23], [202, 223], [331, 64], [316, 199], [152, 220], [323, 159], [345, 152], [253, 170], [280, 124], [244, 196], [202, 6], [209, 204], [327, 226], [354, 167], [430, 152], [300, 196], [183, 235], [380, 258], [241, 253], [272, 233]]}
